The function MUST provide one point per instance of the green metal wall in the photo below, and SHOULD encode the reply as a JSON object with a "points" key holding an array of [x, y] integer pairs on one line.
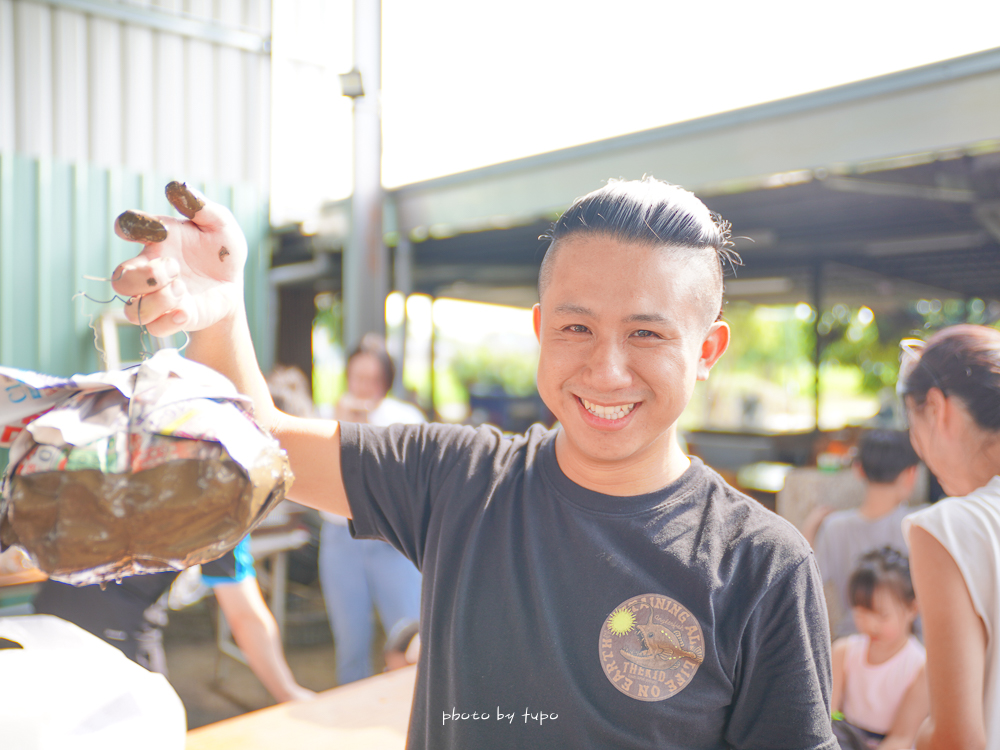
{"points": [[56, 224]]}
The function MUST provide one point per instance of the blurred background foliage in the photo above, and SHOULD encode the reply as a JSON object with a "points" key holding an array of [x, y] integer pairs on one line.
{"points": [[487, 371], [765, 382]]}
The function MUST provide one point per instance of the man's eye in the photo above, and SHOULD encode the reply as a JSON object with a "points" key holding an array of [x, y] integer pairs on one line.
{"points": [[644, 334], [576, 329]]}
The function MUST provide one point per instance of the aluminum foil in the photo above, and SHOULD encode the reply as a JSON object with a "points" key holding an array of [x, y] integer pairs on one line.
{"points": [[158, 467]]}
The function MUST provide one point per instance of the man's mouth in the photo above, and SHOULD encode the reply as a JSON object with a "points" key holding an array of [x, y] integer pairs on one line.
{"points": [[607, 412]]}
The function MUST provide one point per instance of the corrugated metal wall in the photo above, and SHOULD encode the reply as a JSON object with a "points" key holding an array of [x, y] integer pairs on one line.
{"points": [[101, 104], [152, 92], [56, 229]]}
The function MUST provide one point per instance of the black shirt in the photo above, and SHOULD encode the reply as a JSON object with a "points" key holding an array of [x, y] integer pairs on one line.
{"points": [[555, 616]]}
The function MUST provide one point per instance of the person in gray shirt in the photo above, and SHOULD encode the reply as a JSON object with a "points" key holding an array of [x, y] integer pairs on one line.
{"points": [[888, 465]]}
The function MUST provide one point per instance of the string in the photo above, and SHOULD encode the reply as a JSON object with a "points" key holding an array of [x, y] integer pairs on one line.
{"points": [[121, 272], [145, 331], [114, 298], [144, 353], [144, 334]]}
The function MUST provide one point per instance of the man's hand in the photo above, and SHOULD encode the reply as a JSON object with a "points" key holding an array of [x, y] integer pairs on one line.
{"points": [[189, 274], [189, 277]]}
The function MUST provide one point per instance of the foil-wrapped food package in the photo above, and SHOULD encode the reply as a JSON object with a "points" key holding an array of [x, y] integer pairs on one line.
{"points": [[157, 467]]}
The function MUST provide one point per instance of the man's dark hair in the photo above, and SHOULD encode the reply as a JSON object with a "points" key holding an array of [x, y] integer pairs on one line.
{"points": [[646, 212], [881, 567], [884, 454]]}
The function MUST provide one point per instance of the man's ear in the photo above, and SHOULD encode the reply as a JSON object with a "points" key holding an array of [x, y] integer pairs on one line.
{"points": [[714, 346], [536, 320]]}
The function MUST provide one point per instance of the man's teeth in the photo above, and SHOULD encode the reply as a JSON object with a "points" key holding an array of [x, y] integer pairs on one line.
{"points": [[607, 412]]}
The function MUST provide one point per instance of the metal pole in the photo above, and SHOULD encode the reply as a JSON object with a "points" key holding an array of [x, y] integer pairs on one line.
{"points": [[817, 300], [403, 283], [365, 262], [432, 408]]}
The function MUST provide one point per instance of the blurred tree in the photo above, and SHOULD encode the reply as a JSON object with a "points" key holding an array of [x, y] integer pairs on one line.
{"points": [[484, 370], [329, 316], [767, 378], [857, 337], [328, 381]]}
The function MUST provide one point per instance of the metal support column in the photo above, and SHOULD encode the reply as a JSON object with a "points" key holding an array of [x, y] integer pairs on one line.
{"points": [[365, 270], [402, 283], [817, 302], [432, 408]]}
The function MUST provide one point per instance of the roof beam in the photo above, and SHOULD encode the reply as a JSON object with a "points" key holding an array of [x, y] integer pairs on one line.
{"points": [[898, 190]]}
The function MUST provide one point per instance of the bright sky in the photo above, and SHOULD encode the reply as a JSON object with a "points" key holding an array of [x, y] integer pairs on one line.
{"points": [[470, 84]]}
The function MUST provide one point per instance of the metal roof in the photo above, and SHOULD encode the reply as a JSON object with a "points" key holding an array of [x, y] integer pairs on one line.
{"points": [[892, 184], [947, 104]]}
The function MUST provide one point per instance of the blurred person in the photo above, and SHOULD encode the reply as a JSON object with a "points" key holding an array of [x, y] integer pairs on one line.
{"points": [[589, 586], [290, 390], [360, 576], [887, 465], [951, 390], [130, 615], [879, 679]]}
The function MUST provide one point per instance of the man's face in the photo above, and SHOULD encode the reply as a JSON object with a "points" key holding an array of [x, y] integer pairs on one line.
{"points": [[623, 339]]}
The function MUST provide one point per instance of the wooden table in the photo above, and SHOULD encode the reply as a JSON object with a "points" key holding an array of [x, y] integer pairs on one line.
{"points": [[18, 589], [370, 714]]}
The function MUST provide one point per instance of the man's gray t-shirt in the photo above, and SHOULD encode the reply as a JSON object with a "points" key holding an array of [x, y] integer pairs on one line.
{"points": [[555, 616], [843, 537]]}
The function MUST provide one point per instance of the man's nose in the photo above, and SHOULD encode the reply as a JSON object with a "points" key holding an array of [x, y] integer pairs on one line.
{"points": [[609, 365]]}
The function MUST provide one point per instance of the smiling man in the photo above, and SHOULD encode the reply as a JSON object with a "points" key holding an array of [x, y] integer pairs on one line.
{"points": [[586, 587], [625, 329]]}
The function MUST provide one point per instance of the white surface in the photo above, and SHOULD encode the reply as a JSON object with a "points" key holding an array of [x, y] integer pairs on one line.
{"points": [[67, 689]]}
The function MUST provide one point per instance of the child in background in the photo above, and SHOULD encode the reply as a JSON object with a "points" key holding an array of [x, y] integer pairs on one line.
{"points": [[879, 682]]}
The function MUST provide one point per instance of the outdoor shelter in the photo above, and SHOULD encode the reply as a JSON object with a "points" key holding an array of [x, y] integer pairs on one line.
{"points": [[876, 192]]}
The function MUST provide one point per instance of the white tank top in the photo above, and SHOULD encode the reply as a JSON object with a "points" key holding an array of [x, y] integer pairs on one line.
{"points": [[873, 692], [969, 528]]}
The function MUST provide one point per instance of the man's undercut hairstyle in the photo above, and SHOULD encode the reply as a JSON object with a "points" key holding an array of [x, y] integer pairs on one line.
{"points": [[885, 454], [646, 212]]}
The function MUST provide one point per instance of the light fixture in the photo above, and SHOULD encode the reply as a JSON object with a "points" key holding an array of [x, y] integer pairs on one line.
{"points": [[927, 244], [350, 84]]}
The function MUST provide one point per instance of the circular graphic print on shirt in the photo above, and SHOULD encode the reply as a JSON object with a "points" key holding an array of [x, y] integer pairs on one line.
{"points": [[651, 647]]}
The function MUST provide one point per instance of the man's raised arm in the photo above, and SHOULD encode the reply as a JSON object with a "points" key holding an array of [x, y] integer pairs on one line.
{"points": [[189, 277]]}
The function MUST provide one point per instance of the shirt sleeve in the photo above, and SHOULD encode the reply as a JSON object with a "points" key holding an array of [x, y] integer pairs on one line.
{"points": [[396, 476], [232, 567], [968, 535], [784, 678]]}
